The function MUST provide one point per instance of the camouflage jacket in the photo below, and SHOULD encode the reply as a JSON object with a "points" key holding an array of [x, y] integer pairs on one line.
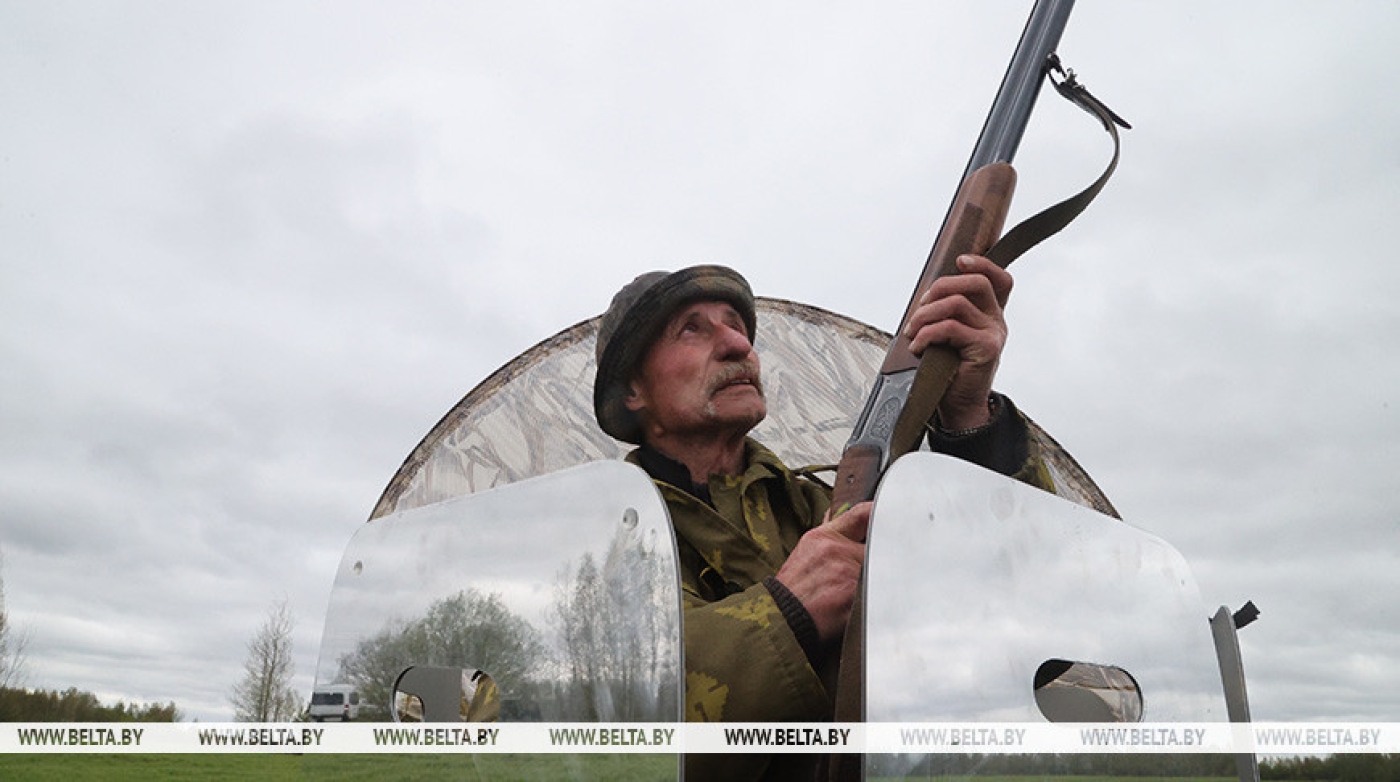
{"points": [[744, 662]]}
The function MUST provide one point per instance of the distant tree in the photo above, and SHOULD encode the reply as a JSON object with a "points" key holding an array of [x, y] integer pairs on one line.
{"points": [[12, 643], [73, 705], [618, 653], [1366, 767], [1360, 767], [1306, 768], [265, 693], [468, 630]]}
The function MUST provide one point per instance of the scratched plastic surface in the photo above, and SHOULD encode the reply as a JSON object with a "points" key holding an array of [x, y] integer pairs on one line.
{"points": [[564, 589], [975, 581]]}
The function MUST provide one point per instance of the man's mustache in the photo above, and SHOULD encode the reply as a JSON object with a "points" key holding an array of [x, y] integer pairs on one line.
{"points": [[729, 373]]}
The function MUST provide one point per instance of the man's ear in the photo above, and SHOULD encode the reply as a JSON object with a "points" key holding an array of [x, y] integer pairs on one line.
{"points": [[635, 401]]}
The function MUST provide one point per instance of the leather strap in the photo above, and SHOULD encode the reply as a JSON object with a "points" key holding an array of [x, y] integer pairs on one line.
{"points": [[1039, 227]]}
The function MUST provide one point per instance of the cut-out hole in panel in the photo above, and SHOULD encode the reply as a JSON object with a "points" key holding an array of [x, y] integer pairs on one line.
{"points": [[1067, 691], [440, 694]]}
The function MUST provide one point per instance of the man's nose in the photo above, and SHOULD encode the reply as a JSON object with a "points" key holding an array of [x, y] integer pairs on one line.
{"points": [[733, 343]]}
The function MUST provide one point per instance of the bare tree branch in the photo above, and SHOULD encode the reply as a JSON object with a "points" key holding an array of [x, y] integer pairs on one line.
{"points": [[265, 693], [12, 643]]}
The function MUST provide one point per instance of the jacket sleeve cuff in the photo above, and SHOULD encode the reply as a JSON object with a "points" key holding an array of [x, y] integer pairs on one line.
{"points": [[799, 620], [1001, 445]]}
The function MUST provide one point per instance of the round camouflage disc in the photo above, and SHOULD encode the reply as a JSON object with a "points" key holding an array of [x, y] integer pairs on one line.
{"points": [[534, 415]]}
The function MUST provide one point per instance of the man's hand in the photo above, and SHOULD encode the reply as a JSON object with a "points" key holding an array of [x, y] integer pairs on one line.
{"points": [[824, 570], [966, 312]]}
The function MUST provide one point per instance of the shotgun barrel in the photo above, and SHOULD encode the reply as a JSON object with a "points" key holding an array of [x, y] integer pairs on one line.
{"points": [[908, 388]]}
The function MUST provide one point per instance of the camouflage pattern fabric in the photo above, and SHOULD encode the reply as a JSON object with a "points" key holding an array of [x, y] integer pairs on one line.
{"points": [[742, 661]]}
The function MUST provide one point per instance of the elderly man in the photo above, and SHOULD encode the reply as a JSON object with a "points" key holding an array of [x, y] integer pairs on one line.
{"points": [[768, 580]]}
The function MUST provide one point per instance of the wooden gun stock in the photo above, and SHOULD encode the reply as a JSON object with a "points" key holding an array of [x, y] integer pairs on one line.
{"points": [[974, 222], [857, 475]]}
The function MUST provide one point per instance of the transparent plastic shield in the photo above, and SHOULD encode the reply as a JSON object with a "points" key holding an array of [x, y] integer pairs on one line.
{"points": [[553, 599], [990, 600]]}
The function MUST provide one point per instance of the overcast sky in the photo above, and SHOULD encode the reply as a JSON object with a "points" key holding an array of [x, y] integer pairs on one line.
{"points": [[251, 251]]}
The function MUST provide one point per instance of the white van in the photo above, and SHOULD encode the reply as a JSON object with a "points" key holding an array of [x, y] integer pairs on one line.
{"points": [[335, 702]]}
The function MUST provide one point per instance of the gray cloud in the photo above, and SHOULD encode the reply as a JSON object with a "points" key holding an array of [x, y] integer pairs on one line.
{"points": [[253, 252]]}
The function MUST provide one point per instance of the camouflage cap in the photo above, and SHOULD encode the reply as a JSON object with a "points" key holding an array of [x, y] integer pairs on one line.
{"points": [[632, 322]]}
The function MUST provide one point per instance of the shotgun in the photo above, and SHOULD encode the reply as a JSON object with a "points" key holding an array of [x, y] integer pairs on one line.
{"points": [[909, 388]]}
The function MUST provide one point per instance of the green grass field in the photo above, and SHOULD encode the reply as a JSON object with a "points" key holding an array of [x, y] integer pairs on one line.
{"points": [[56, 768], [274, 768], [351, 768]]}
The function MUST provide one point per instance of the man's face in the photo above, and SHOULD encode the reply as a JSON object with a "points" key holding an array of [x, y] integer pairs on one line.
{"points": [[700, 376]]}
